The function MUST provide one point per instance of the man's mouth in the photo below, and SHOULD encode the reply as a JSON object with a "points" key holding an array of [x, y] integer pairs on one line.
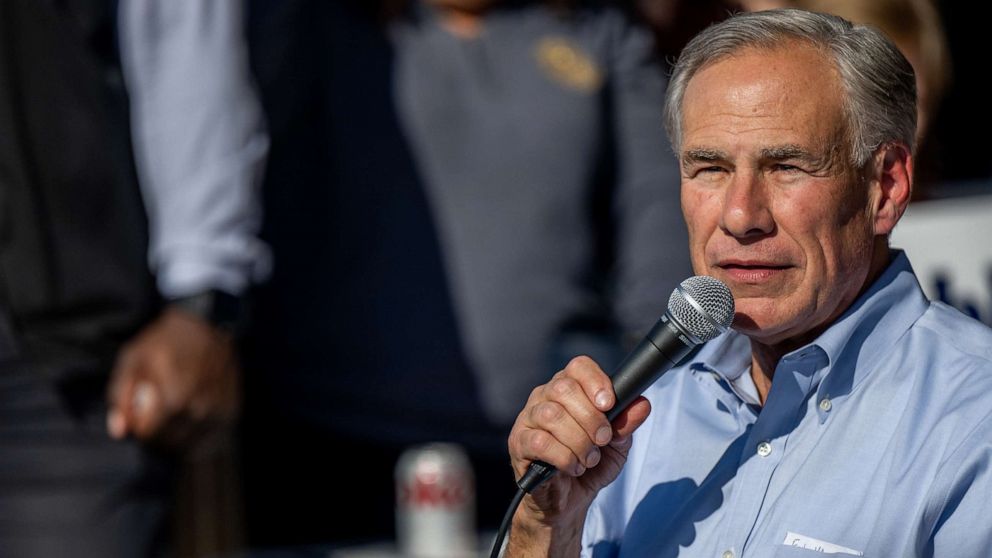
{"points": [[752, 271]]}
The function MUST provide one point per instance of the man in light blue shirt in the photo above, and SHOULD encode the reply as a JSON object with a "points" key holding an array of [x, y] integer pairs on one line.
{"points": [[875, 438], [845, 414]]}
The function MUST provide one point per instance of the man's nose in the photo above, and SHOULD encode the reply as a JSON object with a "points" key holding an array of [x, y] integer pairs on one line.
{"points": [[746, 209]]}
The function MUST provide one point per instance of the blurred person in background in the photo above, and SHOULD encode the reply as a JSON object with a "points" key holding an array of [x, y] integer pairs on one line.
{"points": [[87, 466], [460, 194], [915, 27], [674, 22]]}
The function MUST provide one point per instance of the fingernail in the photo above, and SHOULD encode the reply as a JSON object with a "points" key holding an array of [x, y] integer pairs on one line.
{"points": [[579, 469], [115, 425], [603, 399], [619, 441], [143, 395], [603, 435], [592, 458]]}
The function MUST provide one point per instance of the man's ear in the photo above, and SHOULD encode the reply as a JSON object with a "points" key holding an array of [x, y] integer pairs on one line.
{"points": [[893, 184]]}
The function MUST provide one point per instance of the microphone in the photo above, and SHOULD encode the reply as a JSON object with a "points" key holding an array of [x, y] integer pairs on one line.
{"points": [[700, 309]]}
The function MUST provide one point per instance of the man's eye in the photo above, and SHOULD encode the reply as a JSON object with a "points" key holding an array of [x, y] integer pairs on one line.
{"points": [[710, 169], [786, 168]]}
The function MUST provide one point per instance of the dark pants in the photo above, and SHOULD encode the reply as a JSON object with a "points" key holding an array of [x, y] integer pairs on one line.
{"points": [[66, 488]]}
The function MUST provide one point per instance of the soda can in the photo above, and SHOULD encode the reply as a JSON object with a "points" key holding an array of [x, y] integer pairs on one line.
{"points": [[435, 503]]}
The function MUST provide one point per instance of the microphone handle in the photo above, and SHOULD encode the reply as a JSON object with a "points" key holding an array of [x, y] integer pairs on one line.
{"points": [[660, 351]]}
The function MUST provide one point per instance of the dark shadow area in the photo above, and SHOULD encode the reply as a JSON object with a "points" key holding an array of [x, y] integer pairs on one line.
{"points": [[955, 153], [355, 331], [671, 509]]}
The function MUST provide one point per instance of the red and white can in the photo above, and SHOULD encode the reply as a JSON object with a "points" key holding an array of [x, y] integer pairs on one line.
{"points": [[435, 503]]}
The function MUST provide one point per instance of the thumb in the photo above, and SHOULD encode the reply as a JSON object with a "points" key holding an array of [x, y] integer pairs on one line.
{"points": [[631, 418], [120, 396]]}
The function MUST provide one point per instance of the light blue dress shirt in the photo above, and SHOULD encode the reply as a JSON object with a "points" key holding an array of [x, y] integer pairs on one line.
{"points": [[199, 141], [875, 440]]}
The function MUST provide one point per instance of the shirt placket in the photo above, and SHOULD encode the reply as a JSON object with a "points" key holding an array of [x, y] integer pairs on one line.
{"points": [[763, 452]]}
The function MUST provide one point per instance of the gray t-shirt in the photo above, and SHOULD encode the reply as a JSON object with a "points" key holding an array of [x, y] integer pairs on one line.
{"points": [[551, 184]]}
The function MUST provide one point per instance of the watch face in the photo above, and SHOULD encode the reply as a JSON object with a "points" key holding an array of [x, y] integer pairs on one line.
{"points": [[217, 307]]}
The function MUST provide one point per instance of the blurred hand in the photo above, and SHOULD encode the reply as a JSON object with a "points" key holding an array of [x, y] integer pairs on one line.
{"points": [[564, 424], [175, 382]]}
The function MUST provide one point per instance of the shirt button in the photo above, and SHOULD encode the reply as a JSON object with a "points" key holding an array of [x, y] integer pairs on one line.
{"points": [[728, 554], [825, 404], [764, 450]]}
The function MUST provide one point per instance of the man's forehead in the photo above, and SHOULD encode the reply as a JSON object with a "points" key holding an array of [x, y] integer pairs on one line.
{"points": [[794, 68], [767, 55], [792, 99], [783, 64]]}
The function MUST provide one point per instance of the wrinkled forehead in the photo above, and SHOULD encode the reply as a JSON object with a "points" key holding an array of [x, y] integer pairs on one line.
{"points": [[791, 67], [793, 91]]}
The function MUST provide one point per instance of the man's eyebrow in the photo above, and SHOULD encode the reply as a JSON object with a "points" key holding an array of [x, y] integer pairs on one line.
{"points": [[786, 152], [789, 151], [702, 155]]}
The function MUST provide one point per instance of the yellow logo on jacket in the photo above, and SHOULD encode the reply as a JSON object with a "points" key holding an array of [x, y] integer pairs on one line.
{"points": [[566, 64]]}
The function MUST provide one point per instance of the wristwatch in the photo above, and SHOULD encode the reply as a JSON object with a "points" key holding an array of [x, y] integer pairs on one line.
{"points": [[221, 309]]}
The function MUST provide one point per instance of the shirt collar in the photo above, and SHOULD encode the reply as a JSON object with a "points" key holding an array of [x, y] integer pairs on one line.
{"points": [[877, 319], [852, 345], [728, 355]]}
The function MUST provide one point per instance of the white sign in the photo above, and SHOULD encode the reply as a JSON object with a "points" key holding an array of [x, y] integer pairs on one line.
{"points": [[949, 243]]}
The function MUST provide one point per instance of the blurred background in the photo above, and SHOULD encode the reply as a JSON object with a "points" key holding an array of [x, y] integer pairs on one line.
{"points": [[252, 253]]}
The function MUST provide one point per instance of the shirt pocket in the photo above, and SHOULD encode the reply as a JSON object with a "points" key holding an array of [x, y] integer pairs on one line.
{"points": [[787, 551]]}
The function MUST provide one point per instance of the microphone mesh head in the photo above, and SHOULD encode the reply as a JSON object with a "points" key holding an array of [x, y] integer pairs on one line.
{"points": [[703, 306]]}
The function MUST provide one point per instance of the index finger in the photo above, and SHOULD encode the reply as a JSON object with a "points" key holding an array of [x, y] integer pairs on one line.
{"points": [[595, 383]]}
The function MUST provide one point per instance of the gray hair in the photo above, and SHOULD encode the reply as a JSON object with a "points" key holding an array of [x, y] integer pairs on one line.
{"points": [[880, 87]]}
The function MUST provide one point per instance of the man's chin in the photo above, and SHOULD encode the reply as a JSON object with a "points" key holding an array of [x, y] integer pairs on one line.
{"points": [[756, 325], [747, 325]]}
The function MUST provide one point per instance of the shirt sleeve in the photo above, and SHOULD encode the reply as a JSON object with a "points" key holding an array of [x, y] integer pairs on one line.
{"points": [[199, 142], [652, 254], [962, 526]]}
